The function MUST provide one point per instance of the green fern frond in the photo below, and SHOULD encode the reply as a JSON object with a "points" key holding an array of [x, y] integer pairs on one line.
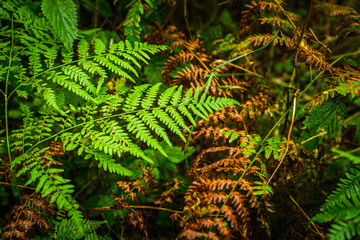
{"points": [[184, 111], [153, 124], [171, 122], [151, 94], [342, 206], [344, 231], [145, 114], [83, 49], [132, 22], [347, 189], [50, 182], [24, 133], [66, 229], [108, 163]]}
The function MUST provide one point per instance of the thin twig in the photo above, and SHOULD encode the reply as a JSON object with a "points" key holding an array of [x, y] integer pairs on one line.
{"points": [[288, 139], [109, 209], [11, 184], [309, 139], [306, 216], [318, 41]]}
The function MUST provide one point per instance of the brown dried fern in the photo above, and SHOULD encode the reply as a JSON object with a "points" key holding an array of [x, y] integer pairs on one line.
{"points": [[28, 218]]}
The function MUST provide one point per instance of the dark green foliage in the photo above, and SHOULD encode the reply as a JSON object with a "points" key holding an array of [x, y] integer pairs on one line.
{"points": [[342, 207], [326, 117]]}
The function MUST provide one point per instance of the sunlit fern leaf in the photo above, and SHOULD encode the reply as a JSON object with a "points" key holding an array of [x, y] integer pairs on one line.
{"points": [[34, 63], [83, 49], [48, 182], [75, 73], [117, 143], [128, 57], [170, 122], [137, 126], [177, 96], [151, 94], [166, 95], [109, 164], [104, 61], [123, 64], [67, 57], [50, 98], [153, 124], [133, 100], [184, 110], [64, 81]]}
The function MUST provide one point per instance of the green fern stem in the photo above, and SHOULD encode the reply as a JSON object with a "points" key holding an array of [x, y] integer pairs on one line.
{"points": [[6, 97]]}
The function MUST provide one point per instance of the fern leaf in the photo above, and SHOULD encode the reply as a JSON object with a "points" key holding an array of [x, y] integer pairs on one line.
{"points": [[132, 22], [150, 96], [177, 118], [62, 80], [100, 47], [122, 63], [83, 49], [67, 229], [63, 17], [133, 100], [170, 123], [104, 61], [137, 126], [166, 95], [184, 110], [177, 96], [108, 163], [128, 57], [344, 231], [50, 98], [151, 121]]}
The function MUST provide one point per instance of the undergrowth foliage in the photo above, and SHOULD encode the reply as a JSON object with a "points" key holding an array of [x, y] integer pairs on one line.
{"points": [[221, 123]]}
